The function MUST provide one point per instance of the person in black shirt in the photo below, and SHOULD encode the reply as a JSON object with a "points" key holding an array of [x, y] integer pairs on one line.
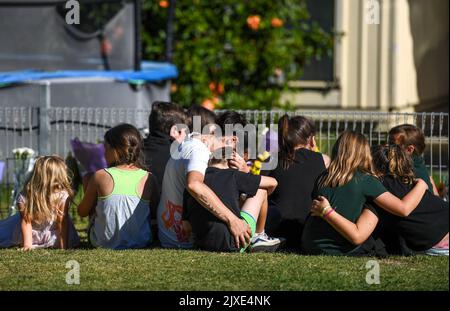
{"points": [[209, 232], [412, 140], [426, 228], [240, 134], [299, 165], [163, 132]]}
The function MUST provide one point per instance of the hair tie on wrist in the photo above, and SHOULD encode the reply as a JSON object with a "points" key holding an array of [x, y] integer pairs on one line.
{"points": [[329, 213]]}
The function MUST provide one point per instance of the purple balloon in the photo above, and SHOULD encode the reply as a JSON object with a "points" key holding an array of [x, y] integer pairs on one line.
{"points": [[90, 156], [2, 168]]}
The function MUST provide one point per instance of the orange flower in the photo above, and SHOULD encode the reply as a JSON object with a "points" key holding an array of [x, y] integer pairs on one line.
{"points": [[253, 22], [220, 88], [276, 22], [211, 103], [216, 88], [164, 4], [174, 88], [212, 86]]}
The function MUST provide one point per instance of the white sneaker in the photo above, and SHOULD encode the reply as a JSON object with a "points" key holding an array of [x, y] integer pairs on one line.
{"points": [[261, 242]]}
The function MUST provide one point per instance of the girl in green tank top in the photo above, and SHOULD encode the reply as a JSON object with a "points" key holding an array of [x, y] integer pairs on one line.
{"points": [[120, 197]]}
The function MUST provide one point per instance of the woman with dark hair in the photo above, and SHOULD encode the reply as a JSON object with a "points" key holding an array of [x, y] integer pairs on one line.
{"points": [[299, 165], [119, 197]]}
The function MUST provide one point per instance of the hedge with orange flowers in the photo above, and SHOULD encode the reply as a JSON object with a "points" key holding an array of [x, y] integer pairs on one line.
{"points": [[234, 53]]}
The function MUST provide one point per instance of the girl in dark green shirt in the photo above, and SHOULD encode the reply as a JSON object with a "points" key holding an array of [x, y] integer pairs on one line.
{"points": [[348, 187]]}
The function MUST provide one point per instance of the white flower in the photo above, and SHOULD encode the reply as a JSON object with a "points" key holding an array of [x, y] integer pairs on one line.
{"points": [[23, 153]]}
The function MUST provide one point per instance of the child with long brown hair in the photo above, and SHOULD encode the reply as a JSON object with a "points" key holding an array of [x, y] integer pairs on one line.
{"points": [[119, 198], [343, 194], [43, 221], [412, 140], [299, 166], [426, 228]]}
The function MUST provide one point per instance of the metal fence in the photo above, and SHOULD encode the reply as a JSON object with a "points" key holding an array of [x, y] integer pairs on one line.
{"points": [[49, 131], [375, 126]]}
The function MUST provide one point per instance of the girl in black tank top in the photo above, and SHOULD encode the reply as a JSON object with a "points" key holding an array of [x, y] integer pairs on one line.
{"points": [[427, 225], [298, 168]]}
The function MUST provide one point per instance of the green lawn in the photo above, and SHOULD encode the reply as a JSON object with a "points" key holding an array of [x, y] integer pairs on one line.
{"points": [[157, 269]]}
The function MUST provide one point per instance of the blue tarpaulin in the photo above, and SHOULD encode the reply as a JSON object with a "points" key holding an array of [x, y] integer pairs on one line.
{"points": [[151, 72]]}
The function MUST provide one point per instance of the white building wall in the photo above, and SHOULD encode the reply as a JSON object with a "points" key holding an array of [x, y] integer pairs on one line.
{"points": [[375, 64]]}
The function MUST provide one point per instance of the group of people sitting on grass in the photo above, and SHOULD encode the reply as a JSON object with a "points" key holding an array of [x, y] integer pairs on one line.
{"points": [[198, 191]]}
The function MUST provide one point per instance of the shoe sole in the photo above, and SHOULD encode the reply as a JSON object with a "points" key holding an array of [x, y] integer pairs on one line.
{"points": [[265, 248]]}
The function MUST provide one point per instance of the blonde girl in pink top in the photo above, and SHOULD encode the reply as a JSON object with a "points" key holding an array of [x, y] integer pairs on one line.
{"points": [[43, 221]]}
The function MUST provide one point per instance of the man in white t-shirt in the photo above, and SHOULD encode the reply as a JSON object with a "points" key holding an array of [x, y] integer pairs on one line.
{"points": [[192, 155], [185, 170]]}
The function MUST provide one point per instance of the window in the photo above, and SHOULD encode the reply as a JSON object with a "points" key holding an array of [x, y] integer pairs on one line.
{"points": [[322, 12]]}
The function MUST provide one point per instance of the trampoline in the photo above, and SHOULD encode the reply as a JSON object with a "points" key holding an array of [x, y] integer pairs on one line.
{"points": [[96, 63], [35, 35], [54, 70], [88, 88]]}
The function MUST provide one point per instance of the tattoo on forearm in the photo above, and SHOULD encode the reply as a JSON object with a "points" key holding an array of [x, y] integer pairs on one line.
{"points": [[207, 204]]}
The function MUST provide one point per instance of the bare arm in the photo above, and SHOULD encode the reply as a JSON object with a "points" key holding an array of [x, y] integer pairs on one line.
{"points": [[268, 183], [27, 233], [435, 190], [354, 233], [209, 200], [89, 199], [326, 160], [62, 224], [86, 180], [405, 206]]}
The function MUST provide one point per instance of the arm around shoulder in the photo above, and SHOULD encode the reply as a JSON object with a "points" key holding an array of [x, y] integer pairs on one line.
{"points": [[405, 206], [268, 183], [209, 200]]}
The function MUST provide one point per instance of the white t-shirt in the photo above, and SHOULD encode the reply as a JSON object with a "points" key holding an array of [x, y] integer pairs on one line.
{"points": [[191, 155]]}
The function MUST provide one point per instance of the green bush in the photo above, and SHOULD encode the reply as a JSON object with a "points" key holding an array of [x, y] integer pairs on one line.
{"points": [[234, 53]]}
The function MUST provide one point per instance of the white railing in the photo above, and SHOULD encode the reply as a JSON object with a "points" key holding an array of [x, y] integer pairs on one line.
{"points": [[49, 131]]}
